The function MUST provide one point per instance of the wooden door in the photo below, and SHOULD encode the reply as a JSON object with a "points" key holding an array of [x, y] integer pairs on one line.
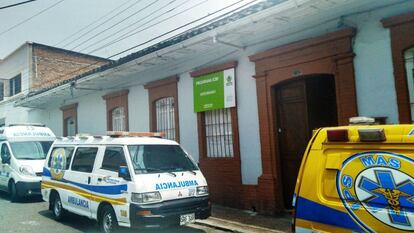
{"points": [[293, 133]]}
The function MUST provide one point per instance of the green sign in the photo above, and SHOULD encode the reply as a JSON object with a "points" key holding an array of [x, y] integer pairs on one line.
{"points": [[214, 91]]}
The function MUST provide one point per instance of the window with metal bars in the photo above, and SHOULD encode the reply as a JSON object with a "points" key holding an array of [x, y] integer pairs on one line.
{"points": [[219, 133], [165, 117], [118, 119]]}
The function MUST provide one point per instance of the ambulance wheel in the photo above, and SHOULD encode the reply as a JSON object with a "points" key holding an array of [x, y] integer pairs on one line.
{"points": [[14, 197], [57, 208], [107, 220]]}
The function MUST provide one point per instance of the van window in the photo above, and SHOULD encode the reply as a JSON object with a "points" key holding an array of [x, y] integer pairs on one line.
{"points": [[5, 150], [30, 150], [68, 152], [159, 158], [113, 158], [84, 159]]}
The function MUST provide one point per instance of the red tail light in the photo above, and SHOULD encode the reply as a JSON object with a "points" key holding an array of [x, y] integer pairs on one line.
{"points": [[338, 135]]}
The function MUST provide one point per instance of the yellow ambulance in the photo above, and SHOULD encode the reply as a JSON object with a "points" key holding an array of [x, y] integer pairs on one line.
{"points": [[357, 178]]}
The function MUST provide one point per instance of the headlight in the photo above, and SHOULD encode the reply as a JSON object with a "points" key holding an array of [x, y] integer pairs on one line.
{"points": [[202, 190], [27, 171], [143, 198]]}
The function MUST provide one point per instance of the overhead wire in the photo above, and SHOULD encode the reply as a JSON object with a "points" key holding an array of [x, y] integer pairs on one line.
{"points": [[107, 20], [134, 30], [31, 17], [139, 20], [16, 4], [185, 25], [117, 23], [92, 23], [157, 37]]}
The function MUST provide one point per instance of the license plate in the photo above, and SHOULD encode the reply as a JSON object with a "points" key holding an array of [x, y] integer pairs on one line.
{"points": [[187, 218]]}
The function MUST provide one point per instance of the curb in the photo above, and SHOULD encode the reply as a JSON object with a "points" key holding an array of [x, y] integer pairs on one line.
{"points": [[231, 226]]}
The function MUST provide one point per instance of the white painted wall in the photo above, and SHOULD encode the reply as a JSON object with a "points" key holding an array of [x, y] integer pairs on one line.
{"points": [[250, 152], [138, 108], [51, 117], [17, 63], [376, 95], [187, 117]]}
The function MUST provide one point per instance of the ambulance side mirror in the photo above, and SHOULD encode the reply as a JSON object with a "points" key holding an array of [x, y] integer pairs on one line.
{"points": [[5, 158], [123, 172]]}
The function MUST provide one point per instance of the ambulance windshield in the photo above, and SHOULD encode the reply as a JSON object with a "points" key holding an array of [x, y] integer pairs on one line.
{"points": [[160, 158], [33, 150]]}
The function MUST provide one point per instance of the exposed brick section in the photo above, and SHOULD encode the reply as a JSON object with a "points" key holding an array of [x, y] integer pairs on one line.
{"points": [[224, 180], [402, 38], [328, 54], [52, 66]]}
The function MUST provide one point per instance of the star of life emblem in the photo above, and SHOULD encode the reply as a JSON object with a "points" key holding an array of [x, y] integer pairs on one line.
{"points": [[377, 190], [58, 164]]}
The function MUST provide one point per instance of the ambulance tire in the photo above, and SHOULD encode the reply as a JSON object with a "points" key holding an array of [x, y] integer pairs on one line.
{"points": [[57, 208], [14, 197], [107, 220]]}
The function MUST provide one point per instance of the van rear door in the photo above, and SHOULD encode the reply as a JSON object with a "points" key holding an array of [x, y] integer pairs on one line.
{"points": [[364, 183]]}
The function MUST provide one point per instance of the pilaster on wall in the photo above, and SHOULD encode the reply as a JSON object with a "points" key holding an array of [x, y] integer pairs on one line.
{"points": [[402, 38]]}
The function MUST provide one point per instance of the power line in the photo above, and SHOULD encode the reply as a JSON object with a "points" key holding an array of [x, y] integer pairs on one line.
{"points": [[129, 16], [134, 32], [139, 20], [122, 11], [178, 28], [31, 17], [185, 25], [97, 20], [16, 4]]}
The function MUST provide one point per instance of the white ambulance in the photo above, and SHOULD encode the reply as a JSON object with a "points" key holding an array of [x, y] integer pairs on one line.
{"points": [[125, 179], [23, 150]]}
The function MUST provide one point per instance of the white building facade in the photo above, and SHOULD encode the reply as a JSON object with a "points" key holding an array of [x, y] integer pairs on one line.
{"points": [[297, 65]]}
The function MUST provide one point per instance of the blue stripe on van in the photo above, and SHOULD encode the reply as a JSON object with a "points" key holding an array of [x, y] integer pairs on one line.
{"points": [[312, 211], [46, 172], [107, 189]]}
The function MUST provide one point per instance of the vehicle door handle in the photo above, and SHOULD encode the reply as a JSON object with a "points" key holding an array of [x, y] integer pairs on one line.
{"points": [[89, 180]]}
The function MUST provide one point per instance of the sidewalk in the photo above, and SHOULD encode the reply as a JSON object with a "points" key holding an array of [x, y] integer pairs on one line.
{"points": [[235, 220]]}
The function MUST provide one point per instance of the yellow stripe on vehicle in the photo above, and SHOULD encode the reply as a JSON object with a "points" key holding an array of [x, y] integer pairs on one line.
{"points": [[80, 192]]}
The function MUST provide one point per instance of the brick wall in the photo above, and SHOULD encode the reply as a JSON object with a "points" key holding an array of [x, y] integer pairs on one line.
{"points": [[52, 66]]}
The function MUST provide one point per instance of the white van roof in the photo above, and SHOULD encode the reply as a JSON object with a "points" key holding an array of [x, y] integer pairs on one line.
{"points": [[108, 140], [26, 132]]}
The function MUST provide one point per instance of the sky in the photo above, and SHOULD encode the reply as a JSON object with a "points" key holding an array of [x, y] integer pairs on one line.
{"points": [[103, 27]]}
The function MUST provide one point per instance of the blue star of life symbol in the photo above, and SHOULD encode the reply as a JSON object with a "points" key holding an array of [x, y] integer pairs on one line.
{"points": [[57, 163], [397, 199]]}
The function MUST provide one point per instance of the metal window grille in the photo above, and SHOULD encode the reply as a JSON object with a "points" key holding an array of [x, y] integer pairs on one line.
{"points": [[118, 119], [165, 114], [219, 133]]}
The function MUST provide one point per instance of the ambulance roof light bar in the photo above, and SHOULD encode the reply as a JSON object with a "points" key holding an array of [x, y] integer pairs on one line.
{"points": [[135, 134]]}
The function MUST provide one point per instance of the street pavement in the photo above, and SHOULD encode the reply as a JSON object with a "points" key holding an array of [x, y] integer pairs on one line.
{"points": [[32, 216]]}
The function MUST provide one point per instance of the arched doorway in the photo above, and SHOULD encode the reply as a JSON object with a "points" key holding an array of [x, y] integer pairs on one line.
{"points": [[298, 64], [302, 105]]}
